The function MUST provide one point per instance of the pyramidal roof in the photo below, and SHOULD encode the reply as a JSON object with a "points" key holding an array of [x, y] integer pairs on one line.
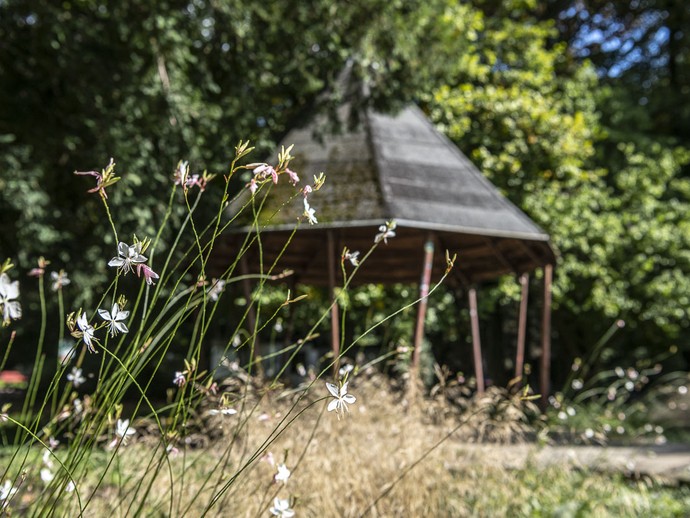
{"points": [[398, 167]]}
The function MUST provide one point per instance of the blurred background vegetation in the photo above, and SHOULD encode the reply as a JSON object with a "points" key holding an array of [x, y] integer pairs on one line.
{"points": [[576, 109]]}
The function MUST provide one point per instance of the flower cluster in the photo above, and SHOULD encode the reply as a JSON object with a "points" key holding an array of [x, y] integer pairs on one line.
{"points": [[187, 181], [306, 191], [80, 327], [131, 257], [264, 173], [104, 179]]}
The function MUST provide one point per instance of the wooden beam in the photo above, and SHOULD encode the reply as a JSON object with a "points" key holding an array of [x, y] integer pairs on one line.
{"points": [[335, 314], [476, 343], [522, 326], [546, 337], [423, 303]]}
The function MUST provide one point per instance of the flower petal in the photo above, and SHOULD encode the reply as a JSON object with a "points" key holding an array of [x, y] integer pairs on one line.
{"points": [[343, 389], [116, 261], [349, 399], [332, 389], [122, 249], [121, 327], [333, 405]]}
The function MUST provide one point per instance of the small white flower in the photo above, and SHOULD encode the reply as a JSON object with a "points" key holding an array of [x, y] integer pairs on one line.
{"points": [[122, 433], [222, 411], [114, 319], [6, 493], [217, 287], [128, 257], [59, 279], [562, 415], [47, 462], [180, 177], [309, 212], [9, 291], [571, 411], [589, 433], [70, 487], [385, 231], [76, 377], [47, 475], [179, 379], [283, 474], [342, 398], [87, 331], [346, 369], [281, 507], [353, 257], [576, 384], [619, 372]]}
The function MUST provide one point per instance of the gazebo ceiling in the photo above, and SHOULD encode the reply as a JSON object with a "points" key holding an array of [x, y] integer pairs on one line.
{"points": [[393, 167]]}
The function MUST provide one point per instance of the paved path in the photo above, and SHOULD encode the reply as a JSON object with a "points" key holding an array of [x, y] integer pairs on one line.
{"points": [[668, 463]]}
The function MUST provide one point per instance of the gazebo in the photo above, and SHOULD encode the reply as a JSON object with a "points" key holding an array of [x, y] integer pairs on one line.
{"points": [[400, 168]]}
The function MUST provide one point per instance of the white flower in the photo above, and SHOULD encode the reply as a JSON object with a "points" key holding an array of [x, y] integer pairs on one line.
{"points": [[281, 507], [59, 279], [576, 384], [217, 287], [353, 257], [128, 257], [11, 309], [6, 493], [309, 212], [222, 411], [70, 487], [87, 331], [47, 462], [75, 377], [47, 475], [114, 319], [385, 231], [122, 432], [342, 398], [283, 474], [346, 369], [179, 379]]}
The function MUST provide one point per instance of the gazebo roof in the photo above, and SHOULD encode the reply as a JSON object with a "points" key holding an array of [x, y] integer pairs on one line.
{"points": [[395, 167]]}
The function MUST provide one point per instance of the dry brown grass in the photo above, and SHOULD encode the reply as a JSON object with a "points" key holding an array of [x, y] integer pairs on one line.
{"points": [[381, 460]]}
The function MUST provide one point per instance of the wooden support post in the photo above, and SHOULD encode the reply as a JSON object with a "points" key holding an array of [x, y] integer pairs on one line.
{"points": [[251, 316], [546, 337], [522, 326], [335, 314], [423, 303], [476, 343]]}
